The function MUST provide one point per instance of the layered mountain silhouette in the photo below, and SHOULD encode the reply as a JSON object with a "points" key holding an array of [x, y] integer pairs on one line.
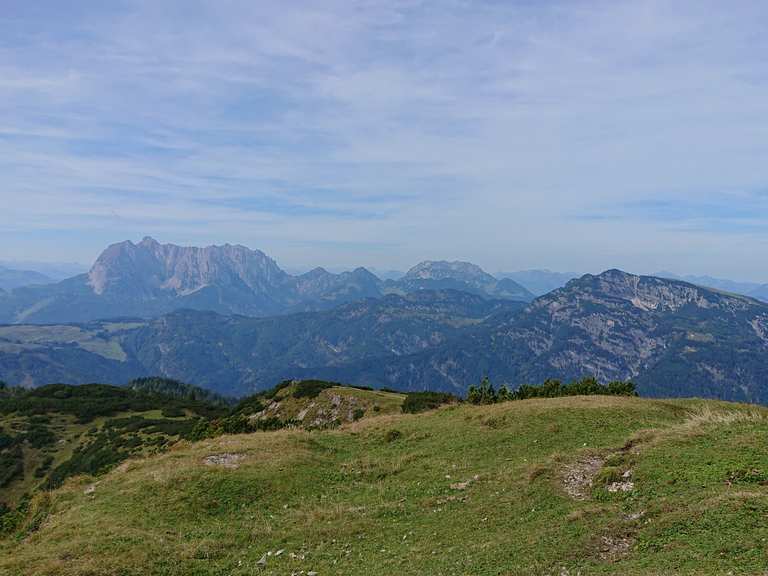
{"points": [[11, 278], [671, 337], [148, 279]]}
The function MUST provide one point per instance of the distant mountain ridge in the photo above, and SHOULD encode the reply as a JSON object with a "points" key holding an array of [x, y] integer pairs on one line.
{"points": [[540, 282], [464, 276], [671, 338], [237, 354], [11, 278], [736, 287], [149, 279]]}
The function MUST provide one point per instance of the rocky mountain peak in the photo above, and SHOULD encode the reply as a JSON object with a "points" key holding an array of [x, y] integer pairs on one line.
{"points": [[149, 266], [646, 293], [442, 269]]}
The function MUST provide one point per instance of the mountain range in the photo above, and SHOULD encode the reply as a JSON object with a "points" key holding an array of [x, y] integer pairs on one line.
{"points": [[752, 289], [149, 279], [540, 282], [670, 337], [11, 278]]}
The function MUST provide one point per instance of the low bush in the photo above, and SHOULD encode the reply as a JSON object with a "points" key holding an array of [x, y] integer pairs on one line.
{"points": [[392, 435], [416, 402], [486, 394], [312, 388]]}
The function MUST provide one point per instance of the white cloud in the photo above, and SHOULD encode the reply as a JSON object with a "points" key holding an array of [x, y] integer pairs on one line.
{"points": [[480, 130]]}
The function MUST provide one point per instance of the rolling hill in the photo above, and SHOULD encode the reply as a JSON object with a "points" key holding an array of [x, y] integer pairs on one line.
{"points": [[580, 485], [52, 433]]}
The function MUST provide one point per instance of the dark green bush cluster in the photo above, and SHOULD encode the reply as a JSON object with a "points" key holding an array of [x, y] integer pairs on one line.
{"points": [[237, 424], [311, 388], [486, 394], [44, 467], [89, 401], [392, 435], [583, 387], [175, 389], [120, 438], [249, 405], [11, 464], [422, 401], [11, 518]]}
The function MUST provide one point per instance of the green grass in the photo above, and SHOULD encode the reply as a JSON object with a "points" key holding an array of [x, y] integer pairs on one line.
{"points": [[461, 490], [69, 434], [333, 405]]}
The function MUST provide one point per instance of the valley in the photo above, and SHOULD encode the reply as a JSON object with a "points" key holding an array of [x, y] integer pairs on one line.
{"points": [[672, 338]]}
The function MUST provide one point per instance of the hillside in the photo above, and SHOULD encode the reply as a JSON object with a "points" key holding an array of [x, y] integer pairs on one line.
{"points": [[581, 485], [51, 433], [237, 355], [318, 404], [670, 337]]}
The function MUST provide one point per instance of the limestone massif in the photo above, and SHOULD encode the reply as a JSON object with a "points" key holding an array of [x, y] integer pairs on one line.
{"points": [[147, 279]]}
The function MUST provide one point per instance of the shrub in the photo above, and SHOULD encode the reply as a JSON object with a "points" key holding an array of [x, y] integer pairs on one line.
{"points": [[392, 435], [312, 388], [482, 394], [553, 389], [249, 405], [11, 465], [173, 411], [416, 402]]}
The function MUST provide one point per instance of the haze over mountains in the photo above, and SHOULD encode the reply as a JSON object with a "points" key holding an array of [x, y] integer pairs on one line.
{"points": [[148, 279], [11, 278], [230, 319], [752, 289], [672, 338]]}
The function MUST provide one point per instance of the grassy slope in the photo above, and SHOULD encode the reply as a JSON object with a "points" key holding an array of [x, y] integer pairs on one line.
{"points": [[70, 434], [348, 501], [333, 405]]}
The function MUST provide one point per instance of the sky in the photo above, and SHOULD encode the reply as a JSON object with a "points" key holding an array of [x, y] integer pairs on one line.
{"points": [[576, 135]]}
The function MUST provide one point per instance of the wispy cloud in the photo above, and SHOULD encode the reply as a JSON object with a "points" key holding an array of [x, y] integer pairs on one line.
{"points": [[517, 134]]}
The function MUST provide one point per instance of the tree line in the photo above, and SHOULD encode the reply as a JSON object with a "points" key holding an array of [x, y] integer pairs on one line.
{"points": [[485, 393]]}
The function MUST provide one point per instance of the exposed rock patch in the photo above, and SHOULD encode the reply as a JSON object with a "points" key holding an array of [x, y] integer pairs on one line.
{"points": [[225, 460], [579, 476], [613, 548], [466, 484]]}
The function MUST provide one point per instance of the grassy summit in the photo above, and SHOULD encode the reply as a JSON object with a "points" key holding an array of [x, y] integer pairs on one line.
{"points": [[590, 485]]}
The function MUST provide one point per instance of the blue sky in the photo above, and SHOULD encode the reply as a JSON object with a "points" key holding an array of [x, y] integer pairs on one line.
{"points": [[573, 135]]}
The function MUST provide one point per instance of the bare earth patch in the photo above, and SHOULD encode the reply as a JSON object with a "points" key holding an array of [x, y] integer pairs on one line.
{"points": [[224, 460], [613, 548], [578, 477]]}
